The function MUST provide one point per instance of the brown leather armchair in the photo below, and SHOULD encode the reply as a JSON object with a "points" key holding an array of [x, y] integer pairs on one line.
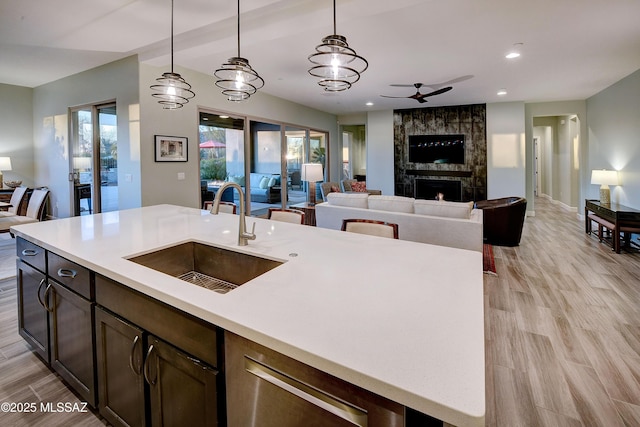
{"points": [[503, 220]]}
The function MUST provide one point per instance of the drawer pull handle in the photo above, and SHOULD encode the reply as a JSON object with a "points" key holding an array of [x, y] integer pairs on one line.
{"points": [[146, 367], [66, 272], [315, 396], [136, 370], [29, 252]]}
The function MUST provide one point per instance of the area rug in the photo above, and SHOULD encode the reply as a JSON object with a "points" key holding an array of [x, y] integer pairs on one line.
{"points": [[488, 262]]}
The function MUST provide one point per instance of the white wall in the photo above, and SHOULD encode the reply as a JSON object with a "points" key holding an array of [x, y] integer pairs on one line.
{"points": [[117, 80], [614, 138], [160, 182], [505, 150], [16, 138], [380, 156]]}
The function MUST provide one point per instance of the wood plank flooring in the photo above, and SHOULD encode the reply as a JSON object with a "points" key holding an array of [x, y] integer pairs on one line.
{"points": [[562, 322], [562, 328]]}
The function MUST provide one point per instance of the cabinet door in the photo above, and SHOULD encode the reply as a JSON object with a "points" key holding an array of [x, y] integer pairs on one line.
{"points": [[119, 353], [33, 318], [183, 390], [72, 340]]}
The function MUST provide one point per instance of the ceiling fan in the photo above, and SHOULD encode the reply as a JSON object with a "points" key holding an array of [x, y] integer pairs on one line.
{"points": [[420, 97]]}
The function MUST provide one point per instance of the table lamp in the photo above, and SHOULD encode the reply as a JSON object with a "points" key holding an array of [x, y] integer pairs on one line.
{"points": [[5, 165], [312, 173], [605, 178]]}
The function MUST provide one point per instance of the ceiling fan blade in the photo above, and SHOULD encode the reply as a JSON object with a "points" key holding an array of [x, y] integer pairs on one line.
{"points": [[437, 92], [399, 85], [450, 82], [387, 96], [421, 100]]}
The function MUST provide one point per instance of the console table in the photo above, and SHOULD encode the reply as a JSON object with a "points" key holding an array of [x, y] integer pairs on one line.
{"points": [[622, 218]]}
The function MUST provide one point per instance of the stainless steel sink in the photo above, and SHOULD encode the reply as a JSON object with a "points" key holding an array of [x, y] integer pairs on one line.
{"points": [[220, 270]]}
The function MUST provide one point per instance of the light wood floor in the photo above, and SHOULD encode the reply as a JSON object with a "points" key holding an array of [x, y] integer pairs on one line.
{"points": [[562, 328], [562, 321]]}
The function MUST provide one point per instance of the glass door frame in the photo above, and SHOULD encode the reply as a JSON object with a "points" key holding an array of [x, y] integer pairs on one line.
{"points": [[283, 148], [96, 194]]}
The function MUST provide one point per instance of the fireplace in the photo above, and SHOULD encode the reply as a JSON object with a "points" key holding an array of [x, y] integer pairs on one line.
{"points": [[429, 189]]}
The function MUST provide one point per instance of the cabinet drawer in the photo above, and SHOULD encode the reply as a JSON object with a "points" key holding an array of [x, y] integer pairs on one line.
{"points": [[71, 275], [32, 254], [192, 335]]}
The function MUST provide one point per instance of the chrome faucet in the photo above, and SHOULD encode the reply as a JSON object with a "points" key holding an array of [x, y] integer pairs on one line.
{"points": [[243, 236]]}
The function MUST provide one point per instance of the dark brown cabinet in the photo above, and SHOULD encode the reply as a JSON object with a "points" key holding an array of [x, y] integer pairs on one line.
{"points": [[33, 318], [183, 390], [145, 380], [120, 357], [71, 337]]}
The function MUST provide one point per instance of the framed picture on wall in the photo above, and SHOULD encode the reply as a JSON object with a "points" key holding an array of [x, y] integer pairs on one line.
{"points": [[170, 148]]}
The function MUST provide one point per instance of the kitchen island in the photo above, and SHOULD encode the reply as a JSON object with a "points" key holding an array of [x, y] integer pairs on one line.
{"points": [[400, 319]]}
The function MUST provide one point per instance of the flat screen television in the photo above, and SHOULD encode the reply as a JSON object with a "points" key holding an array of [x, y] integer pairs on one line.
{"points": [[436, 149]]}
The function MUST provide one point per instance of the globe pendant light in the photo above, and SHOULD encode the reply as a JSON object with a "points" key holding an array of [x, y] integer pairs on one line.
{"points": [[236, 78], [336, 64], [172, 90]]}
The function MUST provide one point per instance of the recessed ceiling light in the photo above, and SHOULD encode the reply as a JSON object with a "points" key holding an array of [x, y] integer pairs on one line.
{"points": [[224, 117], [514, 52], [502, 92], [369, 104]]}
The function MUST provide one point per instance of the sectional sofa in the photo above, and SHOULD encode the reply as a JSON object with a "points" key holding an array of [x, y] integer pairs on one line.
{"points": [[452, 224], [263, 187]]}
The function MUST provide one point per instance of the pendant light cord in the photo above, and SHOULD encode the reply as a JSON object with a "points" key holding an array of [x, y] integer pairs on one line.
{"points": [[238, 28], [171, 36], [334, 17]]}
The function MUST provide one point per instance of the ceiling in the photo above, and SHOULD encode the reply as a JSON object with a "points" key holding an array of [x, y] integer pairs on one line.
{"points": [[571, 49]]}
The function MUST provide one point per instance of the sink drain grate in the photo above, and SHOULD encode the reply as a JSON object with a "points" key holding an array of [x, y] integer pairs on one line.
{"points": [[207, 282]]}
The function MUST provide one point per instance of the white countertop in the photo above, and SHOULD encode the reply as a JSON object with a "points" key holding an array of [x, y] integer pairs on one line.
{"points": [[401, 319]]}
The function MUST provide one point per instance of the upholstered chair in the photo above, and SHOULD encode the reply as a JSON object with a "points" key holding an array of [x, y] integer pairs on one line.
{"points": [[35, 211], [503, 220], [329, 187], [225, 207], [371, 227], [293, 216], [17, 199]]}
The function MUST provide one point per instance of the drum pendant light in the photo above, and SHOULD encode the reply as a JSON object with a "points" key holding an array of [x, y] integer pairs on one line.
{"points": [[171, 89], [336, 64], [236, 78]]}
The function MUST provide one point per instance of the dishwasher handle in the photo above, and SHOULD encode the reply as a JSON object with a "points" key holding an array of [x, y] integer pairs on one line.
{"points": [[348, 412]]}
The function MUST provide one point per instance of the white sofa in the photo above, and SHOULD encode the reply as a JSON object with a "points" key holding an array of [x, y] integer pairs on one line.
{"points": [[442, 223]]}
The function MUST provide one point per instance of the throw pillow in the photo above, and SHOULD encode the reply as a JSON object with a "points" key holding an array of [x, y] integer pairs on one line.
{"points": [[391, 203], [264, 182], [335, 189], [272, 181], [349, 200], [461, 210], [359, 187], [238, 179]]}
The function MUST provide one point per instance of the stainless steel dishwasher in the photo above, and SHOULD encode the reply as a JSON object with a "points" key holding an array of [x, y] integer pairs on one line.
{"points": [[268, 389]]}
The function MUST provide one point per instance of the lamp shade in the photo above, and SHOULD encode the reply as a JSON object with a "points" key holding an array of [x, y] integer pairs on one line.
{"points": [[604, 177], [5, 163], [311, 172]]}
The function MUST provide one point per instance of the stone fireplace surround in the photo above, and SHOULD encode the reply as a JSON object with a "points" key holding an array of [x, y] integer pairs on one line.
{"points": [[469, 120]]}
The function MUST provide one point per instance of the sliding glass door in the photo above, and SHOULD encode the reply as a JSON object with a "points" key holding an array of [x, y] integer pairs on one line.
{"points": [[94, 159], [268, 167]]}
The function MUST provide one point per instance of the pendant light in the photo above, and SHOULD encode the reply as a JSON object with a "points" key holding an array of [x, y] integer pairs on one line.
{"points": [[171, 89], [336, 64], [236, 78]]}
